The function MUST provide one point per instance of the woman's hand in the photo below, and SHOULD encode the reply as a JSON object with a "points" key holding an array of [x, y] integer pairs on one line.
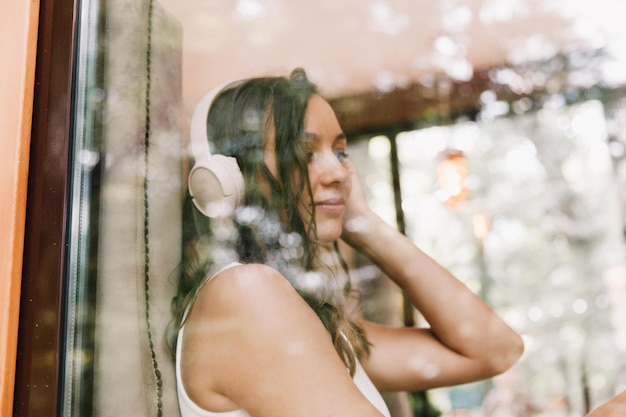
{"points": [[358, 217]]}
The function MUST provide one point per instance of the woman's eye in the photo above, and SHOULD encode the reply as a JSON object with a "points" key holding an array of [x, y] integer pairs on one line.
{"points": [[341, 155]]}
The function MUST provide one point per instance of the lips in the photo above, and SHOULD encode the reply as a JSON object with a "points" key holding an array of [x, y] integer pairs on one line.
{"points": [[331, 205]]}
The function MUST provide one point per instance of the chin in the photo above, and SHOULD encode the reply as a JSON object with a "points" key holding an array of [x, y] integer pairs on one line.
{"points": [[328, 228], [328, 234]]}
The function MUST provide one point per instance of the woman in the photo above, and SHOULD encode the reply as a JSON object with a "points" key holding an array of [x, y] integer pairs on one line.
{"points": [[263, 302]]}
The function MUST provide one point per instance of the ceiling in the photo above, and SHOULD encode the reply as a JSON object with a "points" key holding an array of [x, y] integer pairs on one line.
{"points": [[350, 46]]}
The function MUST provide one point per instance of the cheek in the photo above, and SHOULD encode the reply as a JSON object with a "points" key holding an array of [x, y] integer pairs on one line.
{"points": [[314, 173], [263, 184], [269, 157], [305, 197]]}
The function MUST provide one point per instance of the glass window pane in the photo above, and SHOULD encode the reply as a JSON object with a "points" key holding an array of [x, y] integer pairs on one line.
{"points": [[510, 158]]}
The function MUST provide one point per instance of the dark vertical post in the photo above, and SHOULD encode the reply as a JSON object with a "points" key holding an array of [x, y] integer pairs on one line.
{"points": [[409, 319]]}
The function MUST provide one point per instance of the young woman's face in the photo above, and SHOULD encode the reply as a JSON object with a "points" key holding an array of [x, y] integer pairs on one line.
{"points": [[330, 180]]}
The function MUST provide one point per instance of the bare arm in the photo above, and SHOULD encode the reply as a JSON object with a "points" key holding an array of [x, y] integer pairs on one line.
{"points": [[466, 340], [251, 342], [615, 407]]}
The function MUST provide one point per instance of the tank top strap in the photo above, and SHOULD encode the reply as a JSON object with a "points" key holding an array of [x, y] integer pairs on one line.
{"points": [[204, 282]]}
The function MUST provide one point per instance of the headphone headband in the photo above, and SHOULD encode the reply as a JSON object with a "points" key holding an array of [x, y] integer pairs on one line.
{"points": [[199, 140]]}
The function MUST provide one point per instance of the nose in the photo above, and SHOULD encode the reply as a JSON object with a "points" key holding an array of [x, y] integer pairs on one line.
{"points": [[332, 170]]}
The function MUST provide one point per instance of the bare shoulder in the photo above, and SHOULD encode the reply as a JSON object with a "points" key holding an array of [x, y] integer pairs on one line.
{"points": [[243, 322], [253, 302], [246, 290]]}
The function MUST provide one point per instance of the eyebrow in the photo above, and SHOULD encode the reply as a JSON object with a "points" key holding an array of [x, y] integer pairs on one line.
{"points": [[309, 136]]}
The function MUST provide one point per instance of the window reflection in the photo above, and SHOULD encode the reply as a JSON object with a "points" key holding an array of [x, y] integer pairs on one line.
{"points": [[529, 93]]}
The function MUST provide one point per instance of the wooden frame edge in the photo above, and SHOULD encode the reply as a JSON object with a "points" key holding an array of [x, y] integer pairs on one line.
{"points": [[19, 42]]}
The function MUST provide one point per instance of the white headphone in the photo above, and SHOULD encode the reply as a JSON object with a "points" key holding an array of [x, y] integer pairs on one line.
{"points": [[215, 182]]}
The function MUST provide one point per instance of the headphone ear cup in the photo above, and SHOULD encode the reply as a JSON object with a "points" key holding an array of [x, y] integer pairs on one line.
{"points": [[216, 185]]}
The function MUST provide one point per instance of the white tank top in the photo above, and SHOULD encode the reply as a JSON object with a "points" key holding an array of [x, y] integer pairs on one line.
{"points": [[188, 408]]}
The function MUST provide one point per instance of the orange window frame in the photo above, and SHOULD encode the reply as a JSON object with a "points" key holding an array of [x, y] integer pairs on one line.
{"points": [[18, 37]]}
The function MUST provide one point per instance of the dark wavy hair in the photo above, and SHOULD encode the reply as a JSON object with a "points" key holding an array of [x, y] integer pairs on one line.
{"points": [[274, 231]]}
